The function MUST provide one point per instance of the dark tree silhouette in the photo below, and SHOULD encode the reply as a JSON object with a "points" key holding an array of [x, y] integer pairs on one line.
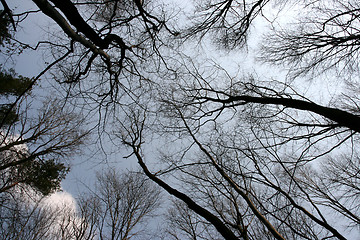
{"points": [[252, 157]]}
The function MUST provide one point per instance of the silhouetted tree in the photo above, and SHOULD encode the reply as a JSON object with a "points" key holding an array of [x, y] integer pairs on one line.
{"points": [[120, 206], [253, 158]]}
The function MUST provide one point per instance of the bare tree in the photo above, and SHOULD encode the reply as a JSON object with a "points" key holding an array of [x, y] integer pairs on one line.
{"points": [[326, 37], [253, 159], [113, 42], [229, 21], [118, 209], [120, 206], [29, 217], [244, 159]]}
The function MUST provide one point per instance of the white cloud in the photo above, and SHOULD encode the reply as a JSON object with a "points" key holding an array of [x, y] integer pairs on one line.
{"points": [[61, 199]]}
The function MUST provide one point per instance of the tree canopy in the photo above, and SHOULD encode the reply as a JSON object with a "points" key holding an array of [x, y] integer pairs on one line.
{"points": [[266, 153]]}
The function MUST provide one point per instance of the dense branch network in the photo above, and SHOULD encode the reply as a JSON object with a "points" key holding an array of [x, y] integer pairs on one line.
{"points": [[253, 161]]}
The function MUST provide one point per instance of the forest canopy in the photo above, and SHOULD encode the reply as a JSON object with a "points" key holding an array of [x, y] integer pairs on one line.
{"points": [[244, 113]]}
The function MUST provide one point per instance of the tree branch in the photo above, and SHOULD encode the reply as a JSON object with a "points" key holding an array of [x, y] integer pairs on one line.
{"points": [[342, 117]]}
